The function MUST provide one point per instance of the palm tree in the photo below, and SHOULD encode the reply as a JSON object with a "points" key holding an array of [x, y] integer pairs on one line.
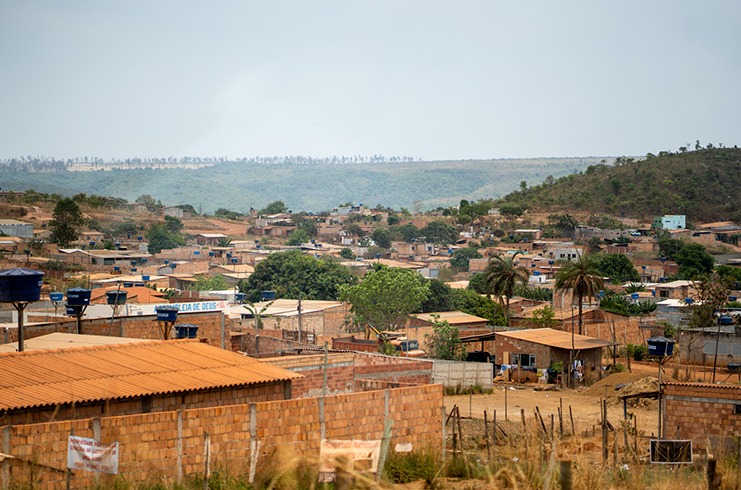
{"points": [[583, 278], [502, 276]]}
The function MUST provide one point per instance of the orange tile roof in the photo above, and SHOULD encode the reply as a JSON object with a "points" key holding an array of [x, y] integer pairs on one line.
{"points": [[86, 374]]}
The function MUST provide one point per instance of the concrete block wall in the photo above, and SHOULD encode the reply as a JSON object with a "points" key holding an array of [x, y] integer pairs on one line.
{"points": [[165, 446], [464, 374], [702, 412]]}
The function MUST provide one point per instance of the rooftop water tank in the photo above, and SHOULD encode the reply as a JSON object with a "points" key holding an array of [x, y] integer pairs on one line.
{"points": [[20, 285], [78, 297], [116, 297], [186, 331], [166, 313], [660, 346], [267, 295], [56, 297]]}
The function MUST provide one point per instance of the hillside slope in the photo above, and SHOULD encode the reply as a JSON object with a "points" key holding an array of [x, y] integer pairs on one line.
{"points": [[705, 185], [313, 187]]}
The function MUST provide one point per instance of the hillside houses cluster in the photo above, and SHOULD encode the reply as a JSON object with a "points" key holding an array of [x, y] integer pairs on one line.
{"points": [[243, 367]]}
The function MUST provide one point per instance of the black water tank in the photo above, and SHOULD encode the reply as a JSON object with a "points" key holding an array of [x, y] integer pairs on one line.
{"points": [[20, 285]]}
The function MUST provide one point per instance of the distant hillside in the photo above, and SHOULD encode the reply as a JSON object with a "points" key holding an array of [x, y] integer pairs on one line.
{"points": [[303, 187], [705, 185]]}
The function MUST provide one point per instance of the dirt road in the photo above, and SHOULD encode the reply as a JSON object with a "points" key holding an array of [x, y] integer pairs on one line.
{"points": [[508, 400]]}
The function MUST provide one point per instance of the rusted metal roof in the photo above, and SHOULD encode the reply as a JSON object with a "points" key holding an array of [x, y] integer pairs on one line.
{"points": [[452, 317], [556, 338], [86, 374]]}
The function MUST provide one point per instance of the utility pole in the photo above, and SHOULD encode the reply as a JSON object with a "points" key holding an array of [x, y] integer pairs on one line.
{"points": [[299, 318]]}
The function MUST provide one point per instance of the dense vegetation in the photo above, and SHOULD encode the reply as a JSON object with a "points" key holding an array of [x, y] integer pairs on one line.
{"points": [[303, 186], [701, 184]]}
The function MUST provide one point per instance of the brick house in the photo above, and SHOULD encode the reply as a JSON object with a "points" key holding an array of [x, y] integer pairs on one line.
{"points": [[538, 348], [702, 412], [135, 378]]}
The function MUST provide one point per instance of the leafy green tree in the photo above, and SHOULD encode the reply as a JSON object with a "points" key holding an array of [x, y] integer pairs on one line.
{"points": [[459, 258], [511, 210], [440, 232], [298, 237], [209, 283], [469, 212], [618, 268], [160, 238], [693, 261], [224, 242], [444, 342], [275, 207], [354, 229], [385, 297], [565, 223], [503, 274], [440, 297], [66, 222], [478, 283], [475, 304], [668, 246], [346, 253], [382, 237], [544, 317], [295, 275], [583, 278], [306, 224], [148, 202], [405, 232], [173, 224]]}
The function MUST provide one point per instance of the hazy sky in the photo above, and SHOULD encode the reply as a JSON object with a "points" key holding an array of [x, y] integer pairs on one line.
{"points": [[430, 79]]}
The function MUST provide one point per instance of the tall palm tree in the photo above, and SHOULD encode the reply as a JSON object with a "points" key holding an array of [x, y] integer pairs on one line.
{"points": [[502, 276], [583, 278]]}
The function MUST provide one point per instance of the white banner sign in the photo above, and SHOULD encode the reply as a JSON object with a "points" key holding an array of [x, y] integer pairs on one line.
{"points": [[90, 455], [361, 456]]}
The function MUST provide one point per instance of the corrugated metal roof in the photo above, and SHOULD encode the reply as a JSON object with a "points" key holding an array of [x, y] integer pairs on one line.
{"points": [[556, 338], [709, 386], [61, 340], [452, 317], [34, 379]]}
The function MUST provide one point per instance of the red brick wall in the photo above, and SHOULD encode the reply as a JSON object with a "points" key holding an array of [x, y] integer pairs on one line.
{"points": [[149, 443], [340, 373], [140, 327], [156, 403], [390, 368], [701, 412]]}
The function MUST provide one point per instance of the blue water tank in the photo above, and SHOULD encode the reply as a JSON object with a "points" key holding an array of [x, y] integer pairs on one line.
{"points": [[116, 297], [267, 295], [186, 331], [212, 254], [196, 252], [143, 261], [145, 278], [116, 268], [660, 346], [235, 260], [634, 295], [732, 298], [56, 297], [725, 320], [240, 296], [20, 285], [78, 297], [166, 313], [128, 284]]}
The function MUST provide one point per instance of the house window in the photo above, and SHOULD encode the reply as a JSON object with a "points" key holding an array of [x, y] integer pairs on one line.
{"points": [[737, 409], [663, 293], [524, 360]]}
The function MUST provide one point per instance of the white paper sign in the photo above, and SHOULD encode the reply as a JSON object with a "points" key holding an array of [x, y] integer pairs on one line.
{"points": [[90, 455]]}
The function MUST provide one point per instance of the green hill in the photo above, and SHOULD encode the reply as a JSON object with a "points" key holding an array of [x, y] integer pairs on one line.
{"points": [[705, 185], [303, 187]]}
